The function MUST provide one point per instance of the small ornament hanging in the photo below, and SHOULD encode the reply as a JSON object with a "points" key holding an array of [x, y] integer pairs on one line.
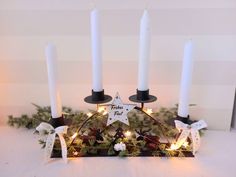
{"points": [[117, 111]]}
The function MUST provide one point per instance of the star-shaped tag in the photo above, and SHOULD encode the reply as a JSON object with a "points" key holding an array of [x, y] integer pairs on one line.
{"points": [[118, 111]]}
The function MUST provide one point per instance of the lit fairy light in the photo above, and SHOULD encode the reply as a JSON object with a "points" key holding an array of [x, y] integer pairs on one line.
{"points": [[100, 109], [104, 113], [89, 114], [185, 144], [127, 134], [173, 147], [75, 153], [149, 111], [73, 136]]}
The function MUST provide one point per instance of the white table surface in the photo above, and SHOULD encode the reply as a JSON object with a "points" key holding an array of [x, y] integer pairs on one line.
{"points": [[21, 156]]}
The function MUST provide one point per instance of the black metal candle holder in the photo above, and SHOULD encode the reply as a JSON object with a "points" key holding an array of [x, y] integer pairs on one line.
{"points": [[57, 122], [142, 97], [98, 98], [185, 120]]}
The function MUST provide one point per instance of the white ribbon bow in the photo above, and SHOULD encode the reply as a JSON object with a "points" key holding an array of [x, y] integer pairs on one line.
{"points": [[51, 139], [192, 129]]}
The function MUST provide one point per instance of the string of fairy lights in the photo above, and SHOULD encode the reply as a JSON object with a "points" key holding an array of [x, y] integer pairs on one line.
{"points": [[128, 133]]}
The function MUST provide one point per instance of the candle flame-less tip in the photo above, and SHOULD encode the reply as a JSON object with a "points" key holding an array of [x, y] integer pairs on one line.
{"points": [[93, 5], [145, 13], [146, 5]]}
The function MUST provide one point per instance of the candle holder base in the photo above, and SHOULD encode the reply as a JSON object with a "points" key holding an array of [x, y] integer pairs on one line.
{"points": [[98, 98], [142, 97], [185, 120], [57, 122]]}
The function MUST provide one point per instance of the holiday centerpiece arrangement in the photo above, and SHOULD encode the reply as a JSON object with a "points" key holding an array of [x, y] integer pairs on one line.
{"points": [[116, 128]]}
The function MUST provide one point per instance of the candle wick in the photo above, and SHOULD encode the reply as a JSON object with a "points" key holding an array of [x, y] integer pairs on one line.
{"points": [[146, 5], [93, 5]]}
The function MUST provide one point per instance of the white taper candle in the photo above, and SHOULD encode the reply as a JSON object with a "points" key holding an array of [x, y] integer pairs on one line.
{"points": [[96, 51], [55, 99], [144, 52], [186, 78]]}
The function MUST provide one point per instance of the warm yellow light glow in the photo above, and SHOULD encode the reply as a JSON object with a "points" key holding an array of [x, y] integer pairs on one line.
{"points": [[75, 153], [75, 134], [173, 147], [127, 134], [89, 114], [100, 109], [149, 111], [104, 113], [185, 144]]}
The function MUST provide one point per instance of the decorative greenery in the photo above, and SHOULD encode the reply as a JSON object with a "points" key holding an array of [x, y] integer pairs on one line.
{"points": [[43, 114], [149, 136]]}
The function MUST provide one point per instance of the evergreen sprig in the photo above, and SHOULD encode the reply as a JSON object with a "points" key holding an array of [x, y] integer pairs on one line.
{"points": [[95, 137]]}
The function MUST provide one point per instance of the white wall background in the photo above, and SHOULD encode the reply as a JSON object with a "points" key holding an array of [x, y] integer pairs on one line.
{"points": [[27, 25]]}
